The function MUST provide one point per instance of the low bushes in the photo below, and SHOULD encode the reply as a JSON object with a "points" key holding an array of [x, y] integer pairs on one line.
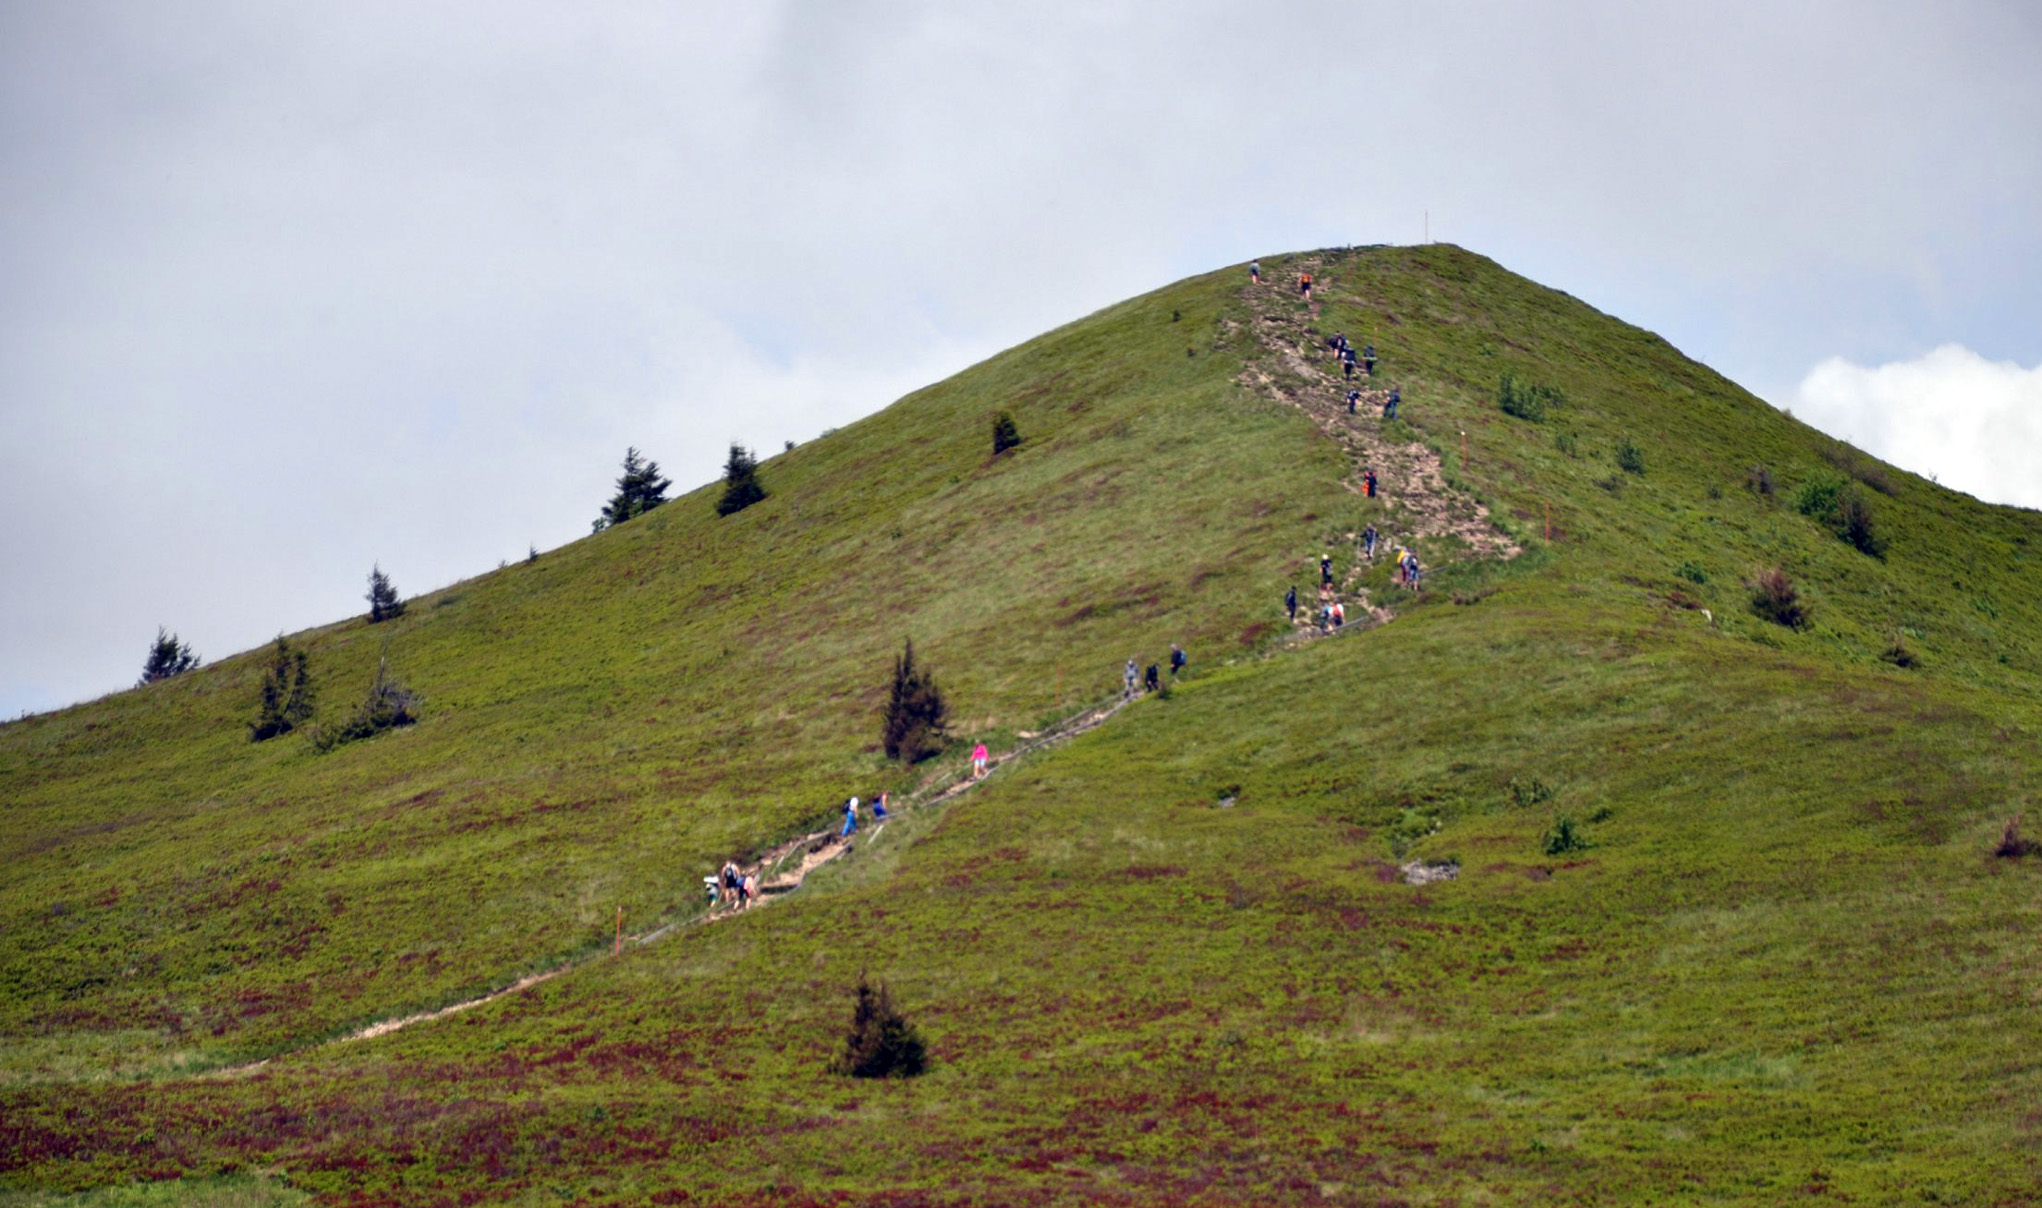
{"points": [[1773, 597]]}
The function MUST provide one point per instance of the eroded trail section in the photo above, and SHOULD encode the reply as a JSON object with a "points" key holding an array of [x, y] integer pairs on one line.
{"points": [[1298, 369]]}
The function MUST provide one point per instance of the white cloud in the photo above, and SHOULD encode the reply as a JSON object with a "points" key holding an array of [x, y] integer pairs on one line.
{"points": [[1973, 424]]}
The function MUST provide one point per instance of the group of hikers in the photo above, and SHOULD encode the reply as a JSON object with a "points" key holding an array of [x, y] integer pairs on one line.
{"points": [[1134, 681], [1332, 612]]}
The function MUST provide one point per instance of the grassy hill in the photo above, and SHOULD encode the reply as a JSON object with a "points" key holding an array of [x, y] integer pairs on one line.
{"points": [[1172, 960]]}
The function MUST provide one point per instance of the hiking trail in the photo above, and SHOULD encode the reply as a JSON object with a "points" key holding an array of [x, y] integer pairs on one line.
{"points": [[1418, 504]]}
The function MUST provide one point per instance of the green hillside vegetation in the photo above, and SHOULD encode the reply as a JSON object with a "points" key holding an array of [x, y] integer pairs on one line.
{"points": [[1173, 960]]}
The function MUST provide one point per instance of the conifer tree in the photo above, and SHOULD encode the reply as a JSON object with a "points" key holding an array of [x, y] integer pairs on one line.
{"points": [[913, 725], [287, 693], [741, 488], [881, 1043], [167, 657], [639, 490], [1005, 434], [383, 602]]}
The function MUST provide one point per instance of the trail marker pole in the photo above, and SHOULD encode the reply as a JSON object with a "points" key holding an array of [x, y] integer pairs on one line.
{"points": [[1548, 509], [1464, 448], [620, 933]]}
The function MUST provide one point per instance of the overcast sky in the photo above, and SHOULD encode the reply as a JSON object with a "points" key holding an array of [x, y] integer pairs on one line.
{"points": [[288, 289]]}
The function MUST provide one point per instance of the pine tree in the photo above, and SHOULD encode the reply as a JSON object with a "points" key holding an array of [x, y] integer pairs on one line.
{"points": [[881, 1043], [1005, 434], [167, 657], [741, 487], [913, 725], [287, 693], [383, 602], [639, 490]]}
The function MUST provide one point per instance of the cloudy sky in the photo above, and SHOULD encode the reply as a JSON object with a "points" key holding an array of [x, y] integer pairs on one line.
{"points": [[286, 290]]}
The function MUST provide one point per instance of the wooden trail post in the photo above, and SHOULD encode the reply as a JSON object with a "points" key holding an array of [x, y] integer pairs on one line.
{"points": [[1464, 448], [620, 933], [1548, 509]]}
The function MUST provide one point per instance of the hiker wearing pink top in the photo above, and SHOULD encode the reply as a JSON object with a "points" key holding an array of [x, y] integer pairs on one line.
{"points": [[978, 761]]}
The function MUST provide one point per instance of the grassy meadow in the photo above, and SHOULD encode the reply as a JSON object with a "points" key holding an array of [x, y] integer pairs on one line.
{"points": [[1172, 960]]}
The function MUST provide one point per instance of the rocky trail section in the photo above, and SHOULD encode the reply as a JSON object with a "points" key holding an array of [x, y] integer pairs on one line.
{"points": [[1422, 510]]}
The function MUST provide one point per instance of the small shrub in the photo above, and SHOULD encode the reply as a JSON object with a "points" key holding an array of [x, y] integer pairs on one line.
{"points": [[1527, 401], [383, 602], [1693, 573], [1529, 791], [1631, 458], [1565, 443], [1818, 496], [1564, 836], [1774, 598], [167, 657], [1900, 655], [388, 704], [287, 694], [913, 724], [741, 488], [1759, 480], [2013, 845], [881, 1042], [532, 554], [1005, 434], [1853, 522], [1603, 813]]}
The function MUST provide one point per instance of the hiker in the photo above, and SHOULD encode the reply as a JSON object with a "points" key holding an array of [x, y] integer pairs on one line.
{"points": [[1390, 407], [1325, 569], [879, 807], [1339, 614], [1368, 360], [1177, 659], [1290, 605], [1255, 271], [1129, 678], [1353, 400], [1403, 556], [850, 818], [1368, 484], [978, 761], [1347, 368], [1411, 571], [1305, 285], [1368, 542], [748, 891], [733, 883], [1325, 618], [1155, 681]]}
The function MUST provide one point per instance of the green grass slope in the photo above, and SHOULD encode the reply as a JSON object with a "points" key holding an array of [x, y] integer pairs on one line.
{"points": [[1173, 961]]}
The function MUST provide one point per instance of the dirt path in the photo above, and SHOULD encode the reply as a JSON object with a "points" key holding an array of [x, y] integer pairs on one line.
{"points": [[775, 880], [1421, 510]]}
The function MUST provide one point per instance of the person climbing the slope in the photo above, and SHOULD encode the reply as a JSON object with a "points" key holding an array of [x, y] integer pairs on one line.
{"points": [[850, 818], [1339, 614], [1325, 570], [1390, 407], [1403, 557], [1368, 361], [1129, 678], [1177, 659], [1368, 484], [978, 761], [1368, 542], [1411, 571], [879, 807], [1255, 271], [1290, 605], [1154, 679], [1353, 400], [1305, 286], [733, 882]]}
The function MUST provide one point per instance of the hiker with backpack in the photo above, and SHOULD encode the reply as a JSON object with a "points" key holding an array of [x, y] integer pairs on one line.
{"points": [[1290, 605], [1339, 614], [850, 818], [1353, 400], [1325, 570], [1305, 286], [1390, 407], [1368, 484], [1129, 678], [1177, 659], [1255, 271], [1368, 361], [978, 761], [1368, 542], [1155, 680], [879, 807]]}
